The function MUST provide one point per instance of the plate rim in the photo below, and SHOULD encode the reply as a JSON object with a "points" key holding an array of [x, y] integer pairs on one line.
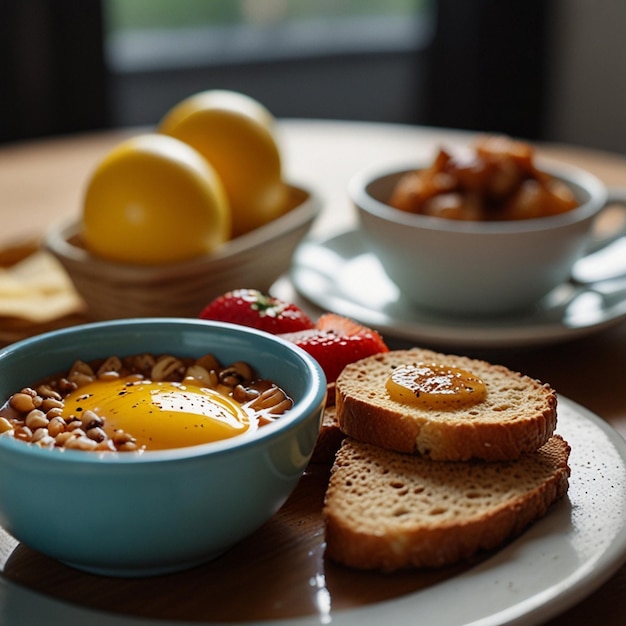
{"points": [[587, 577]]}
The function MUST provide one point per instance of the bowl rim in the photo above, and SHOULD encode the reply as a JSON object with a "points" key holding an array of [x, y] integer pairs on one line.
{"points": [[314, 396], [359, 184], [308, 207]]}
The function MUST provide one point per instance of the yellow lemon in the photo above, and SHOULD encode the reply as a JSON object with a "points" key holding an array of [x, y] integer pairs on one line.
{"points": [[235, 134], [154, 200]]}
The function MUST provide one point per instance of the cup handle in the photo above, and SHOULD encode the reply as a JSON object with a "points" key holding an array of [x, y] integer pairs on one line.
{"points": [[616, 196], [605, 258]]}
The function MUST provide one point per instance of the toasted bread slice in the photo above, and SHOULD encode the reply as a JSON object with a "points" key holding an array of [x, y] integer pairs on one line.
{"points": [[386, 510], [517, 416]]}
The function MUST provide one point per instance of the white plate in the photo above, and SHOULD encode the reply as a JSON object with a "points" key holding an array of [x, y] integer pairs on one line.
{"points": [[338, 274], [552, 566]]}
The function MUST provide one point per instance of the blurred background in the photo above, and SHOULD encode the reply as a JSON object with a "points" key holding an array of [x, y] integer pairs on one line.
{"points": [[547, 70]]}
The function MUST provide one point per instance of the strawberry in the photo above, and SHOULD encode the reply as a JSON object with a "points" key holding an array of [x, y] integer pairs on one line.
{"points": [[336, 341], [251, 307]]}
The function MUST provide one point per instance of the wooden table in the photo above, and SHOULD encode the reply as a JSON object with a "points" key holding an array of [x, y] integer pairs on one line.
{"points": [[42, 182]]}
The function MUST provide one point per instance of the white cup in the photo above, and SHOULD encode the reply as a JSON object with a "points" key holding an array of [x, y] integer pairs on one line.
{"points": [[479, 268]]}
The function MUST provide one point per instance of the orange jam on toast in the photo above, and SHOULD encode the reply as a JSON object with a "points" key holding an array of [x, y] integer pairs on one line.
{"points": [[433, 386]]}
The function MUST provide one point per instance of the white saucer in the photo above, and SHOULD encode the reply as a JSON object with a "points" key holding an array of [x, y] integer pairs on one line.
{"points": [[338, 274]]}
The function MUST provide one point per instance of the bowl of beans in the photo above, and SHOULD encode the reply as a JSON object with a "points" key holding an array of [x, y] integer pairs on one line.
{"points": [[139, 447], [481, 231]]}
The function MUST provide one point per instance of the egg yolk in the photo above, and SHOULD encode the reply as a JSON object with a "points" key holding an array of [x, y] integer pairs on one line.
{"points": [[434, 386], [160, 415]]}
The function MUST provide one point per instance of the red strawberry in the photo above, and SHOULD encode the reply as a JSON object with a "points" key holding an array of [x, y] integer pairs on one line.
{"points": [[250, 307], [337, 341]]}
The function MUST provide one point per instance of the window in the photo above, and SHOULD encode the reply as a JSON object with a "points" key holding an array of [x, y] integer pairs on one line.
{"points": [[144, 34], [294, 55]]}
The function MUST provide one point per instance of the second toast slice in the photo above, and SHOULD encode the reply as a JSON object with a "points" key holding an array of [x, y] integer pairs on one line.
{"points": [[388, 511]]}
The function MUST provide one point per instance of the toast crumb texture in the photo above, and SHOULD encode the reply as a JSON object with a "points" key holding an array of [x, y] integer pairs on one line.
{"points": [[388, 511], [518, 416]]}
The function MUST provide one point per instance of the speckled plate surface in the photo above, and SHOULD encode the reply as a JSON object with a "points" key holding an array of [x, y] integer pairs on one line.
{"points": [[551, 567]]}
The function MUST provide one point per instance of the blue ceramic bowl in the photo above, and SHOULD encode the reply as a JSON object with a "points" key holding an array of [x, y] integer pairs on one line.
{"points": [[139, 514]]}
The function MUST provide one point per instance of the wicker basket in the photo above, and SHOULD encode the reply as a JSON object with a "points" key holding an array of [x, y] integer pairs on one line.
{"points": [[254, 260]]}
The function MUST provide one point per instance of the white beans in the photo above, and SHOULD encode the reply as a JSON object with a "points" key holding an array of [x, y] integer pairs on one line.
{"points": [[36, 419], [36, 414]]}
